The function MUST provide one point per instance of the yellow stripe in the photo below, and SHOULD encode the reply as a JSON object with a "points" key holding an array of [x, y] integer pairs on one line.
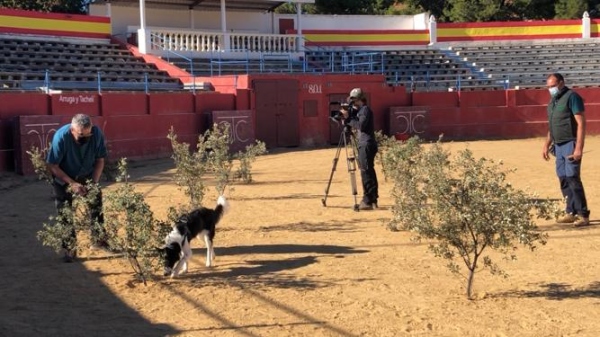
{"points": [[53, 24], [366, 37], [594, 28], [496, 31]]}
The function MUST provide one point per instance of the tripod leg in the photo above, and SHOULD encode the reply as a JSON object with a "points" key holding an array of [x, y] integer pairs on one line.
{"points": [[351, 161], [335, 161]]}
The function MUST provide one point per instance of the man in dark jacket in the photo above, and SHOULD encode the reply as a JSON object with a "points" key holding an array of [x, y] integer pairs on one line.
{"points": [[566, 136], [367, 147]]}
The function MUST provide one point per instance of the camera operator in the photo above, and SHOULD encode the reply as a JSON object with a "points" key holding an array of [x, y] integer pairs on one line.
{"points": [[367, 146]]}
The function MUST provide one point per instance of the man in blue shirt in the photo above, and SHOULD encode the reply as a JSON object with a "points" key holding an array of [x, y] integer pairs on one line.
{"points": [[566, 122], [76, 156]]}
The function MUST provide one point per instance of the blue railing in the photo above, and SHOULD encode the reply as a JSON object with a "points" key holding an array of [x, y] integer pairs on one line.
{"points": [[102, 81], [190, 61]]}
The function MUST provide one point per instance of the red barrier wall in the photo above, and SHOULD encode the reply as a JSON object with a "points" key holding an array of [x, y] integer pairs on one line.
{"points": [[127, 103], [136, 124], [171, 103], [69, 104]]}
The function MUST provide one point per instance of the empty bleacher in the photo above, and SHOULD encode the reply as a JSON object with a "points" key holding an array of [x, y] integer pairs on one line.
{"points": [[470, 66], [422, 69], [30, 64], [526, 65]]}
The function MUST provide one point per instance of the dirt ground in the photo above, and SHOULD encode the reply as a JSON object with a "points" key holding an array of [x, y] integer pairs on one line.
{"points": [[287, 266]]}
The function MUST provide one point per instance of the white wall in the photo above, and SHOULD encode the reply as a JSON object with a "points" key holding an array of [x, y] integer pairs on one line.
{"points": [[265, 23], [123, 16], [360, 22]]}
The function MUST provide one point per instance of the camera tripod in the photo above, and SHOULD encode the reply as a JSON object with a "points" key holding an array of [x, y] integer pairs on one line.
{"points": [[348, 142]]}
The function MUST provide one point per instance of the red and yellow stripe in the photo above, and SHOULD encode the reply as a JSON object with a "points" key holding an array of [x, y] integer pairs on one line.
{"points": [[481, 31], [365, 37], [37, 23]]}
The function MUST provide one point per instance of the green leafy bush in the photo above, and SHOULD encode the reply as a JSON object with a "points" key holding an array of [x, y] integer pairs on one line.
{"points": [[131, 227], [246, 158], [464, 205], [190, 168]]}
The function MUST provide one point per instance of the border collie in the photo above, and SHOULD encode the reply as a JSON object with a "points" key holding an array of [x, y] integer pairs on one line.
{"points": [[201, 221]]}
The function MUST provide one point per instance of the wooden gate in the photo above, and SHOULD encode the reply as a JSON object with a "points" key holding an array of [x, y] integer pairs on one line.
{"points": [[277, 112]]}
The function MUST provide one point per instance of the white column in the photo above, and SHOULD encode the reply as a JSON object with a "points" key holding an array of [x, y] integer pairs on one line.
{"points": [[225, 44], [143, 35], [108, 10], [586, 29], [432, 30], [300, 42]]}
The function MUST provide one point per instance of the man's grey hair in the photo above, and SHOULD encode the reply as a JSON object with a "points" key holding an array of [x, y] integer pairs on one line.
{"points": [[82, 120]]}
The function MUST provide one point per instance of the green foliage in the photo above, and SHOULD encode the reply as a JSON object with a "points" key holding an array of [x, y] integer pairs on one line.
{"points": [[219, 160], [340, 7], [130, 226], [384, 144], [38, 160], [58, 6], [69, 219], [246, 159], [463, 205], [190, 168], [570, 9], [212, 156]]}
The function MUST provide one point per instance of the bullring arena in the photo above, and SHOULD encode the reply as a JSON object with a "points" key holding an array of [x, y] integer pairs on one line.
{"points": [[286, 265]]}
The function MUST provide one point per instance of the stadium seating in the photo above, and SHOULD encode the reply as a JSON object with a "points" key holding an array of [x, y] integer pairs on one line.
{"points": [[30, 64], [526, 65], [469, 66]]}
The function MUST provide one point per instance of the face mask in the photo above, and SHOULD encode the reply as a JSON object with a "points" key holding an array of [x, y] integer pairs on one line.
{"points": [[553, 91], [83, 140]]}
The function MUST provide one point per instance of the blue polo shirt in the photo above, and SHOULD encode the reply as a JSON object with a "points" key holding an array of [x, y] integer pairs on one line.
{"points": [[77, 161]]}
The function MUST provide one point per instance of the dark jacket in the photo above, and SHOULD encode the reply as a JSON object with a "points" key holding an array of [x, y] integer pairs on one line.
{"points": [[563, 127], [364, 123]]}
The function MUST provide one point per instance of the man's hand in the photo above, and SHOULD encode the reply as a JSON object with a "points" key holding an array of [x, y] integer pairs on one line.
{"points": [[78, 189], [545, 153], [344, 113], [576, 156]]}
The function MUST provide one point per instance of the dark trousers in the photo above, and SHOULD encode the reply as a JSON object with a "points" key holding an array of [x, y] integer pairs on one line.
{"points": [[568, 173], [366, 161], [64, 198]]}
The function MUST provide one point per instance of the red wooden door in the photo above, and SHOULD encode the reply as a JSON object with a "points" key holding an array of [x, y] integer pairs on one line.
{"points": [[277, 112], [285, 25]]}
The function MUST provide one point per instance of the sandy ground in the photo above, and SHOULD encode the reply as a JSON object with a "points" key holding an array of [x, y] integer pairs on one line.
{"points": [[287, 266]]}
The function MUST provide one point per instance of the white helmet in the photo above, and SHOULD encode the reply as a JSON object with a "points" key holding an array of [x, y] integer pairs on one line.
{"points": [[356, 93]]}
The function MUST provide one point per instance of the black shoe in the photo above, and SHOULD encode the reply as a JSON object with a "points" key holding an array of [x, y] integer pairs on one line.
{"points": [[101, 246], [69, 256], [365, 206]]}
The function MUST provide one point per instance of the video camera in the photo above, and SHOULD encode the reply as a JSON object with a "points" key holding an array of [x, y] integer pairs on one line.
{"points": [[337, 115]]}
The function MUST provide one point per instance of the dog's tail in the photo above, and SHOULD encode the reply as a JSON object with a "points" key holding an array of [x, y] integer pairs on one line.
{"points": [[222, 204]]}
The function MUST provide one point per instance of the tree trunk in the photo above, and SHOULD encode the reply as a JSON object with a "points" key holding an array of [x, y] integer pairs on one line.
{"points": [[470, 283]]}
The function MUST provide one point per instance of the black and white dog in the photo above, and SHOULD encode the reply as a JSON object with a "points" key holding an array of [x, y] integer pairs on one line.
{"points": [[201, 221]]}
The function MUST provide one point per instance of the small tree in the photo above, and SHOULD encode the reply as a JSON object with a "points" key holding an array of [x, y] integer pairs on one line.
{"points": [[220, 161], [464, 205], [244, 171], [130, 226], [37, 157], [61, 232], [190, 168], [384, 144]]}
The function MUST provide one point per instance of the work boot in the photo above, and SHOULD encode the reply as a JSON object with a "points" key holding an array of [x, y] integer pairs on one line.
{"points": [[567, 218], [364, 206], [581, 222]]}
